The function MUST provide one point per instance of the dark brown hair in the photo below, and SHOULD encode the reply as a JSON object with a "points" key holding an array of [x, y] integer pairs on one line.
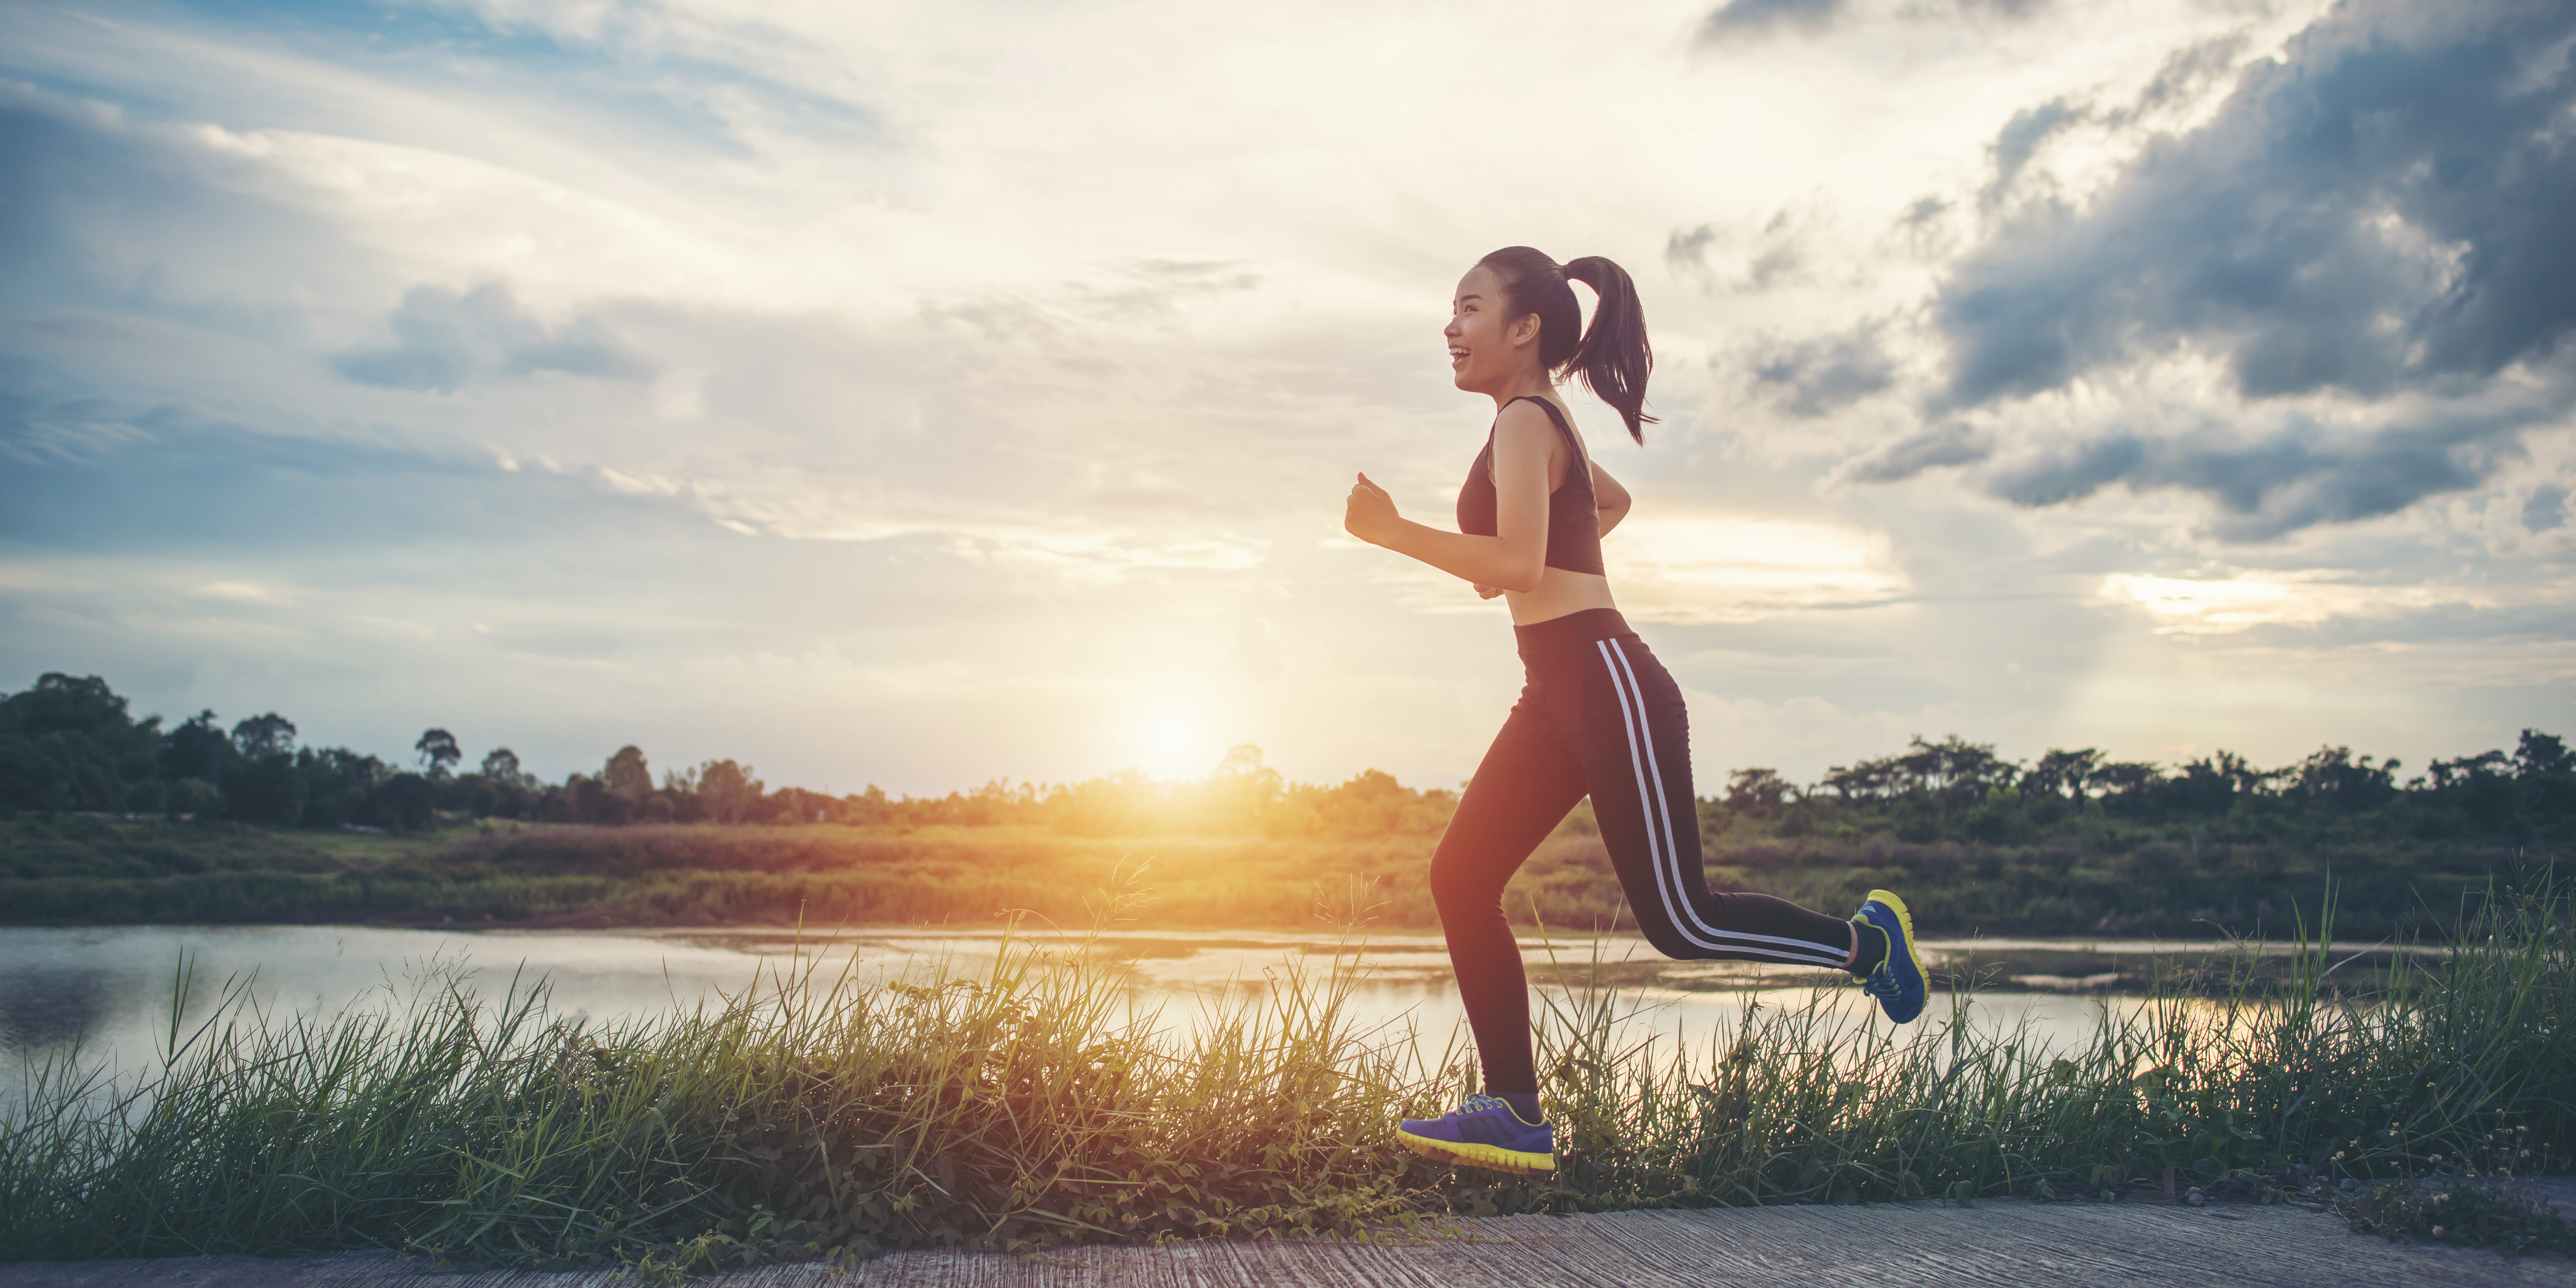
{"points": [[1613, 357]]}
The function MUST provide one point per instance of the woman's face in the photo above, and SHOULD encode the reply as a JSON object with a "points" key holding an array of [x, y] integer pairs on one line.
{"points": [[1485, 353]]}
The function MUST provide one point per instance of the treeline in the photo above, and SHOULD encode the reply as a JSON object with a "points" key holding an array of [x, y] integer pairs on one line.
{"points": [[1958, 791], [70, 744]]}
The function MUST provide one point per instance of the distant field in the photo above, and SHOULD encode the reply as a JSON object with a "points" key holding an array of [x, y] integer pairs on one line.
{"points": [[73, 870]]}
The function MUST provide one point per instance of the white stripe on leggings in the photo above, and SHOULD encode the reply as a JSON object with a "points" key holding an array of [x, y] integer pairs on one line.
{"points": [[1654, 853], [1666, 858]]}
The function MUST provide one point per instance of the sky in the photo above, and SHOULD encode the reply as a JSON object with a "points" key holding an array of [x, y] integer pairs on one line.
{"points": [[921, 394]]}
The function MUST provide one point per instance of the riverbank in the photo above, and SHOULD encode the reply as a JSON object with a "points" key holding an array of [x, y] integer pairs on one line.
{"points": [[86, 871], [1022, 1107]]}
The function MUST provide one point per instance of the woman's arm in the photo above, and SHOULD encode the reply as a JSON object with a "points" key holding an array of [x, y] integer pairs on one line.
{"points": [[1515, 557], [1611, 499]]}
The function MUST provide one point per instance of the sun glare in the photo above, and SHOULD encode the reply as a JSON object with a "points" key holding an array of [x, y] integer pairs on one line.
{"points": [[1173, 742]]}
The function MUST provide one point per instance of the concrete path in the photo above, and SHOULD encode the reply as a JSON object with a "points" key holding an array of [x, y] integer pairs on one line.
{"points": [[2007, 1242]]}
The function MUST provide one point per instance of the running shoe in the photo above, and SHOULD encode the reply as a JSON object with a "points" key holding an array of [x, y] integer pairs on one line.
{"points": [[1897, 981], [1483, 1132]]}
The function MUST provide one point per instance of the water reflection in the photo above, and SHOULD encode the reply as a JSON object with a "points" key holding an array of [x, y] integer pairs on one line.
{"points": [[109, 989], [43, 1007]]}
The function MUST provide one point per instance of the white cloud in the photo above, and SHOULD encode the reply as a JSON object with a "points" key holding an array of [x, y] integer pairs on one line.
{"points": [[1727, 569], [239, 592]]}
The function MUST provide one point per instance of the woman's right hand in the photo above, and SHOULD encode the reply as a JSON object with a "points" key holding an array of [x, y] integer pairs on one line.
{"points": [[1484, 591], [1369, 513]]}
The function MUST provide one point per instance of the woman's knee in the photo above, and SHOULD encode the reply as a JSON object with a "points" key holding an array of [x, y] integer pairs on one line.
{"points": [[1661, 936]]}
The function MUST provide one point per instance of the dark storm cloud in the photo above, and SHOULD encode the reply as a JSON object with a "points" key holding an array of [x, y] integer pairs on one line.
{"points": [[1824, 374], [2382, 216], [2271, 484], [445, 341], [2386, 209]]}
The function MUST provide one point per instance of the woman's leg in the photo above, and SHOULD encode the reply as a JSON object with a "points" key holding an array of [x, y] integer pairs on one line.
{"points": [[1635, 744], [1525, 785]]}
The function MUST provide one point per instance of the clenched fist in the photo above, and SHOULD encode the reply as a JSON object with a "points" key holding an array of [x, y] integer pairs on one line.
{"points": [[1369, 514]]}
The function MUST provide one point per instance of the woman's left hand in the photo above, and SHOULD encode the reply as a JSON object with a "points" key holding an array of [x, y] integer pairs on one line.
{"points": [[1369, 513]]}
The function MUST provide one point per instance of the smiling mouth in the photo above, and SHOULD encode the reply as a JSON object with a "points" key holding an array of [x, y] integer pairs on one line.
{"points": [[1457, 357]]}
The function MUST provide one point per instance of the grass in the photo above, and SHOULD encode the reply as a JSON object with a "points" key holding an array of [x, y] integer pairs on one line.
{"points": [[76, 871], [1022, 1106]]}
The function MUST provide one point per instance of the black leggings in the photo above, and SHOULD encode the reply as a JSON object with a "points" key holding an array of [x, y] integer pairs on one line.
{"points": [[1598, 716]]}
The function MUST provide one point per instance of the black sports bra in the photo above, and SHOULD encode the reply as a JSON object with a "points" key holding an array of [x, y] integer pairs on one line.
{"points": [[1573, 517]]}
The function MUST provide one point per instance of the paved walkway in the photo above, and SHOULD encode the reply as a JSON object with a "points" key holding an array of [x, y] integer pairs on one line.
{"points": [[2006, 1242]]}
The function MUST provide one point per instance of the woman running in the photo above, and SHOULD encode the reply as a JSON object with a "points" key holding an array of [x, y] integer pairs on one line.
{"points": [[1597, 715]]}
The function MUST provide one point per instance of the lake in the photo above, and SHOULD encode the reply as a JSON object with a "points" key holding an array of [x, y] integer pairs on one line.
{"points": [[108, 989]]}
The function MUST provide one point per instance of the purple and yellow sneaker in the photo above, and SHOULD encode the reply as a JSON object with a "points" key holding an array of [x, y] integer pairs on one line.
{"points": [[1483, 1132], [1898, 981]]}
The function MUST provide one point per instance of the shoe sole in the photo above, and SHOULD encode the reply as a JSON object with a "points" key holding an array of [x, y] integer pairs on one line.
{"points": [[1905, 920], [1468, 1154]]}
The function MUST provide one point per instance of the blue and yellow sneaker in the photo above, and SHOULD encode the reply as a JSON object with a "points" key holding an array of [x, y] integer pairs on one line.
{"points": [[1897, 981], [1483, 1132]]}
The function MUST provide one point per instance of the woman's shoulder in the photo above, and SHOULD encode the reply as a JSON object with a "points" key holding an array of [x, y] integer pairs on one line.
{"points": [[1528, 414], [1528, 420]]}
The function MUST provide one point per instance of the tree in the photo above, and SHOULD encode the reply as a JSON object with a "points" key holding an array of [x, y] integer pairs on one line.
{"points": [[2125, 779], [338, 784], [2331, 775], [438, 750], [268, 790], [198, 749], [1756, 790], [1870, 780], [260, 735], [2063, 773], [627, 775], [501, 765], [727, 791], [2542, 753], [408, 802], [68, 743]]}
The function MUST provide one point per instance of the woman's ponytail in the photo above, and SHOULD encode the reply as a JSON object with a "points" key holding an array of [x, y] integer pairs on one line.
{"points": [[1612, 357]]}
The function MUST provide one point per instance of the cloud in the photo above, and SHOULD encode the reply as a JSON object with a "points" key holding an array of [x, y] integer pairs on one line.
{"points": [[2187, 71], [2347, 292], [2383, 210], [1824, 374], [1947, 445], [1704, 569], [174, 478], [2022, 137], [1762, 17], [2306, 598], [2274, 483], [2546, 510], [1776, 256], [445, 341], [1038, 369], [1738, 19], [239, 592]]}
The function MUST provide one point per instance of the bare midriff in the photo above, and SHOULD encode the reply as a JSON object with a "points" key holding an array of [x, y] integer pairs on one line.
{"points": [[1559, 592]]}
